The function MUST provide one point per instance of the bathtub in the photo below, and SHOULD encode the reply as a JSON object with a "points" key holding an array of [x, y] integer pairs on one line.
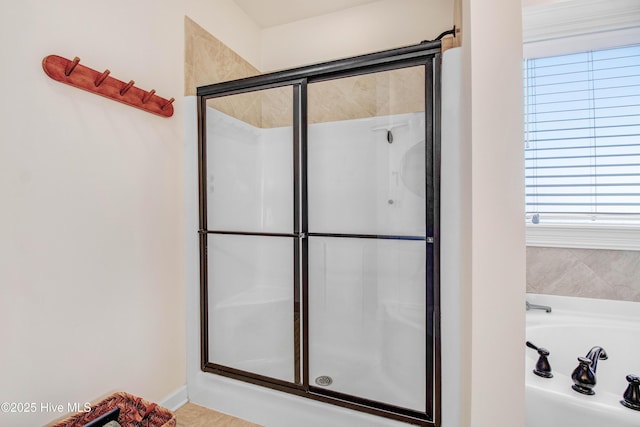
{"points": [[573, 327]]}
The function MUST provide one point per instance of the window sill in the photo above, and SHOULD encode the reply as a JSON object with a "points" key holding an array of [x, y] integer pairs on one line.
{"points": [[584, 236]]}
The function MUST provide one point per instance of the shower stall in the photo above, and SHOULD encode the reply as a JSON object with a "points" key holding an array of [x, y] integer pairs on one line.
{"points": [[319, 231]]}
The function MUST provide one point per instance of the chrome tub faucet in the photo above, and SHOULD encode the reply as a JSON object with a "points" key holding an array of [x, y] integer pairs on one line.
{"points": [[537, 307]]}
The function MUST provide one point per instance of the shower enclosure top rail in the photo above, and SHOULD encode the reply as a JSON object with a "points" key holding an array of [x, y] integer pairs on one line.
{"points": [[326, 70]]}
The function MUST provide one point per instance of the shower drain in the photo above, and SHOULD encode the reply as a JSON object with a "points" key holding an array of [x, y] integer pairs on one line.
{"points": [[324, 380]]}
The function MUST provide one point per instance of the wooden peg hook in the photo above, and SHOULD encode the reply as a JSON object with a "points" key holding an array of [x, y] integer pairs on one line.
{"points": [[100, 79], [169, 102], [148, 96], [73, 73], [72, 66], [127, 87]]}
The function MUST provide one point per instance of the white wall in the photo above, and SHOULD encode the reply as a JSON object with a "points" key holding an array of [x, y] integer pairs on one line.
{"points": [[372, 27], [92, 287]]}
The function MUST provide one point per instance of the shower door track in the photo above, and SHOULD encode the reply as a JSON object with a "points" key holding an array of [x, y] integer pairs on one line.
{"points": [[425, 54]]}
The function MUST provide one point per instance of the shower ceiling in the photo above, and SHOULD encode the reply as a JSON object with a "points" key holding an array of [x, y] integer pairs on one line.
{"points": [[269, 13]]}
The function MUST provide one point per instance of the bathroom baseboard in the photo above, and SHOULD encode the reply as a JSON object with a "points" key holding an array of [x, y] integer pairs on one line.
{"points": [[176, 399]]}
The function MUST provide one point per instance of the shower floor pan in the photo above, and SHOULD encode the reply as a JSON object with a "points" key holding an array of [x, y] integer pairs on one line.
{"points": [[365, 378]]}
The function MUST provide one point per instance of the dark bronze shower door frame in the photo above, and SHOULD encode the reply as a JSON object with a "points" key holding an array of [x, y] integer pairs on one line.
{"points": [[425, 54]]}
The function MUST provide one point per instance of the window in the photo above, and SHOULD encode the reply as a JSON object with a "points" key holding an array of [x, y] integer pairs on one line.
{"points": [[582, 138]]}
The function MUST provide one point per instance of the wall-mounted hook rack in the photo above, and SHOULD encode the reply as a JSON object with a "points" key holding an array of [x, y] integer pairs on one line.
{"points": [[75, 74]]}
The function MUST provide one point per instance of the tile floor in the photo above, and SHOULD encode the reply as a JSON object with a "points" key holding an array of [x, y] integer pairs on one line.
{"points": [[192, 415]]}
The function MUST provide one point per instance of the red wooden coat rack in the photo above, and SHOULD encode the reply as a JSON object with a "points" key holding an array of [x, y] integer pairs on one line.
{"points": [[75, 74]]}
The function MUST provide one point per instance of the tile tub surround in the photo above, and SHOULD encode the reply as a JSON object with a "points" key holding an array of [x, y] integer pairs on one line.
{"points": [[208, 61], [589, 273]]}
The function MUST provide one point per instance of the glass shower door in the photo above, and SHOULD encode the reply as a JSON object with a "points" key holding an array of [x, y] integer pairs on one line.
{"points": [[367, 258], [318, 232], [250, 235]]}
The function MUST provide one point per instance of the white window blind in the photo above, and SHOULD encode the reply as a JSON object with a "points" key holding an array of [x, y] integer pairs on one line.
{"points": [[582, 137]]}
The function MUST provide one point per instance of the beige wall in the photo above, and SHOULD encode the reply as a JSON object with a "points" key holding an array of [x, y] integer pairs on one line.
{"points": [[493, 265], [91, 268], [92, 288], [372, 27]]}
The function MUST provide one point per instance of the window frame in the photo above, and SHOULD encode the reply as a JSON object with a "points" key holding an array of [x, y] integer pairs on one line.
{"points": [[566, 38]]}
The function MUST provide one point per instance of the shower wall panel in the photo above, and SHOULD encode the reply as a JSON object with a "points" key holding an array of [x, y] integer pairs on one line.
{"points": [[250, 300], [251, 188], [359, 183]]}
